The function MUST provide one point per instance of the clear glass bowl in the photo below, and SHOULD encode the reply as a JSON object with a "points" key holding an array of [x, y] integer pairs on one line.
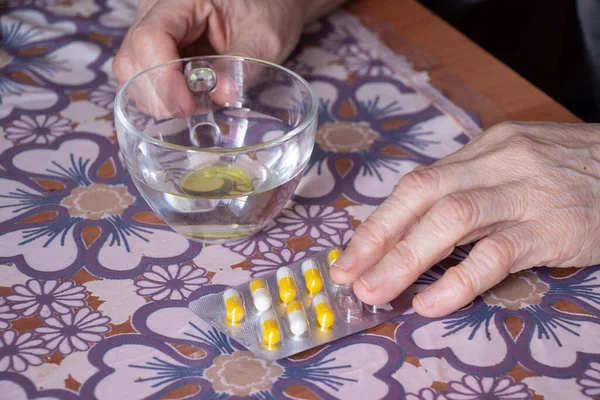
{"points": [[216, 145]]}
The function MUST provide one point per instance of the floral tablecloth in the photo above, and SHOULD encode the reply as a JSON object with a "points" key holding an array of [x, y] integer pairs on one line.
{"points": [[94, 287]]}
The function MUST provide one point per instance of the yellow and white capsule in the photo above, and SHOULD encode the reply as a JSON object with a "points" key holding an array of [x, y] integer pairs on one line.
{"points": [[287, 285], [333, 255], [270, 329], [234, 309], [296, 318], [260, 295], [323, 311], [312, 277]]}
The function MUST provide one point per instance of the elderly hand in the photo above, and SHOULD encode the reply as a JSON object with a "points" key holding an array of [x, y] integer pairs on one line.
{"points": [[266, 29], [167, 30], [529, 191]]}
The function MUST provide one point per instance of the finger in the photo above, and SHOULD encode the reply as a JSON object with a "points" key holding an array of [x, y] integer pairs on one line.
{"points": [[143, 7], [441, 228], [231, 81], [124, 65], [490, 261], [414, 195], [248, 46], [265, 43], [477, 235], [167, 27], [163, 91], [155, 40], [236, 77], [483, 232]]}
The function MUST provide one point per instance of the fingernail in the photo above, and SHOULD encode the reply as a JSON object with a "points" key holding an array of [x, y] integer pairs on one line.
{"points": [[344, 262], [427, 298], [371, 279]]}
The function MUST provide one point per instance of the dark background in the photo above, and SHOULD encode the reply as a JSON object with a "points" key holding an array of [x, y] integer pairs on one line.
{"points": [[539, 39]]}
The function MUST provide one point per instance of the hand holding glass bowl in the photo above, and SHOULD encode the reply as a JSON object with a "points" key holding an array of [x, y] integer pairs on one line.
{"points": [[216, 145]]}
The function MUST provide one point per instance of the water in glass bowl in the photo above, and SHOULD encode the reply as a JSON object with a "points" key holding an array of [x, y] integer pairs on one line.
{"points": [[224, 197]]}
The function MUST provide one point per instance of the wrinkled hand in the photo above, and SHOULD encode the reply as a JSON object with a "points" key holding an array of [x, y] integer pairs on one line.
{"points": [[167, 30], [529, 191]]}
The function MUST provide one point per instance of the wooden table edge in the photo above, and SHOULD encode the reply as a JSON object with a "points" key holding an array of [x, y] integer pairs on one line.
{"points": [[467, 74]]}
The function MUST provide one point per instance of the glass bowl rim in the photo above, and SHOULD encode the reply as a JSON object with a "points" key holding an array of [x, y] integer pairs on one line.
{"points": [[307, 120]]}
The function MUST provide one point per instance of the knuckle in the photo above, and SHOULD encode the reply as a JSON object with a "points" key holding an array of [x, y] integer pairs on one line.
{"points": [[120, 64], [139, 33], [458, 209], [420, 181], [504, 129], [519, 153], [462, 283], [494, 251], [525, 150], [522, 142], [403, 258], [394, 202], [371, 233]]}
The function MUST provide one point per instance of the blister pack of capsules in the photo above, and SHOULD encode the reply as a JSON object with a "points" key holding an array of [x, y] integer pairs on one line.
{"points": [[293, 309]]}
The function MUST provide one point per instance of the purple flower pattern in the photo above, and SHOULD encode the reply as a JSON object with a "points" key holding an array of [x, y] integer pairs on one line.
{"points": [[424, 394], [314, 221], [590, 380], [475, 387], [6, 314], [173, 282], [18, 352], [39, 81], [362, 63], [46, 297], [340, 240], [88, 196], [272, 237], [392, 128], [341, 43], [74, 331], [271, 261], [40, 129], [104, 95]]}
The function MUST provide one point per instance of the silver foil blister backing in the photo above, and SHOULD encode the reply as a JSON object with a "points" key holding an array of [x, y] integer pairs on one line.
{"points": [[351, 315]]}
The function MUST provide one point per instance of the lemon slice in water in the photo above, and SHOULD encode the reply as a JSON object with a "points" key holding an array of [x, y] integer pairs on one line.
{"points": [[217, 181]]}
